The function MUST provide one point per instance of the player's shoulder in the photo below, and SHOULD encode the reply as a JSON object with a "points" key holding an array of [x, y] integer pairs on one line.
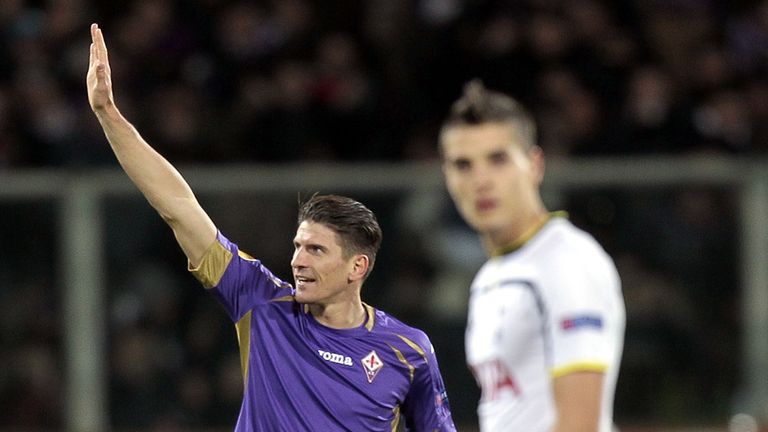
{"points": [[385, 322], [562, 229], [560, 237], [564, 254], [389, 327], [571, 257]]}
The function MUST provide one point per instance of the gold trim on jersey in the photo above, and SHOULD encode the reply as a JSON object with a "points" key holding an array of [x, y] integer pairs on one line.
{"points": [[528, 234], [245, 255], [415, 346], [212, 266], [395, 418], [243, 328], [369, 322], [578, 367], [401, 357]]}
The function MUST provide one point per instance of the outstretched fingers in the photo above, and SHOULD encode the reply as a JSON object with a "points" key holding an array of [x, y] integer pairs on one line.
{"points": [[94, 47], [99, 51], [98, 77], [103, 54]]}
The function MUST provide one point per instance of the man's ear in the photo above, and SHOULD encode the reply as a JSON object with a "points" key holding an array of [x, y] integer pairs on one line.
{"points": [[536, 155], [360, 265]]}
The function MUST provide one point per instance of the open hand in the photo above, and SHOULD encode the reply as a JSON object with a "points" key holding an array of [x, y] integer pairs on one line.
{"points": [[99, 78]]}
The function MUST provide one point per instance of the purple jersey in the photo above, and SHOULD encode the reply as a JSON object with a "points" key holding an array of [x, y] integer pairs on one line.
{"points": [[302, 376]]}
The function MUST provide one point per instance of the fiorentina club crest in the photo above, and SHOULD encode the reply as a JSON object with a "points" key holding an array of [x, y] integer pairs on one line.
{"points": [[372, 365]]}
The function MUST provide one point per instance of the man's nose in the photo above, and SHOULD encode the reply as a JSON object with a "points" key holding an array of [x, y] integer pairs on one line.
{"points": [[298, 259], [481, 179]]}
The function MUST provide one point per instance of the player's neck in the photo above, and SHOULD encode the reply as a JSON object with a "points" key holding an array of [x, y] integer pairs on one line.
{"points": [[515, 235], [348, 314]]}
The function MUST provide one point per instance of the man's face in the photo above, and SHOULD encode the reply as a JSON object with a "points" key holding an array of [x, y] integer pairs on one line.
{"points": [[493, 181], [320, 271]]}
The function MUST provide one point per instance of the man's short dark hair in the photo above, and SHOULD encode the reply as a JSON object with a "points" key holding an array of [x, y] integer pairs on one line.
{"points": [[479, 105], [355, 224]]}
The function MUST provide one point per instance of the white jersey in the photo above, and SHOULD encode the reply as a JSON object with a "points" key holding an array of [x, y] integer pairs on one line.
{"points": [[551, 307]]}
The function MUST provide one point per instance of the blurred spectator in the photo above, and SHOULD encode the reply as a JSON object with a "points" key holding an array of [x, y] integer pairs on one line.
{"points": [[652, 118]]}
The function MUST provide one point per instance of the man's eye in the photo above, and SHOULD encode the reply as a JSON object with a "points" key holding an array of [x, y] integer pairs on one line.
{"points": [[499, 158], [461, 165]]}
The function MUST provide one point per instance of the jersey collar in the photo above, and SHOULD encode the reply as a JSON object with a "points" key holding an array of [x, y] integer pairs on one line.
{"points": [[527, 235], [368, 324]]}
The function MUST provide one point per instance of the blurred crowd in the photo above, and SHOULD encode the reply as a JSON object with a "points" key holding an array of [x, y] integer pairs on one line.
{"points": [[223, 81]]}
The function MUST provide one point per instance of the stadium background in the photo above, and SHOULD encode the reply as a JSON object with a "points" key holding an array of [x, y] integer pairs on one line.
{"points": [[284, 85]]}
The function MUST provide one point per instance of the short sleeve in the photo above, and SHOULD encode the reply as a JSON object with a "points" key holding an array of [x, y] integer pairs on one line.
{"points": [[582, 314], [236, 280]]}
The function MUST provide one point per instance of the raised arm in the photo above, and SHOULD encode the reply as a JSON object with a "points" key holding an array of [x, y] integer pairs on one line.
{"points": [[156, 178]]}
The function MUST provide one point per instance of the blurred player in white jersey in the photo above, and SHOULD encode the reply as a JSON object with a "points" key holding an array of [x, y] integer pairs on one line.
{"points": [[546, 315]]}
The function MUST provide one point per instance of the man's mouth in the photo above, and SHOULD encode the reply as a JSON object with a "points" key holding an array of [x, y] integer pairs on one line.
{"points": [[302, 280], [484, 205]]}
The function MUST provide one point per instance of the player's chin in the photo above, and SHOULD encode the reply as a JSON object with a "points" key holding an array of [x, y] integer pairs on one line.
{"points": [[481, 223], [301, 296]]}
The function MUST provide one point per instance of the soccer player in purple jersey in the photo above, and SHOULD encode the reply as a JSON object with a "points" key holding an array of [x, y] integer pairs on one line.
{"points": [[314, 356]]}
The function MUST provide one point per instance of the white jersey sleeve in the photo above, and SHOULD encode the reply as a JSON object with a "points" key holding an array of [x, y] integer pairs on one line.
{"points": [[580, 297]]}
